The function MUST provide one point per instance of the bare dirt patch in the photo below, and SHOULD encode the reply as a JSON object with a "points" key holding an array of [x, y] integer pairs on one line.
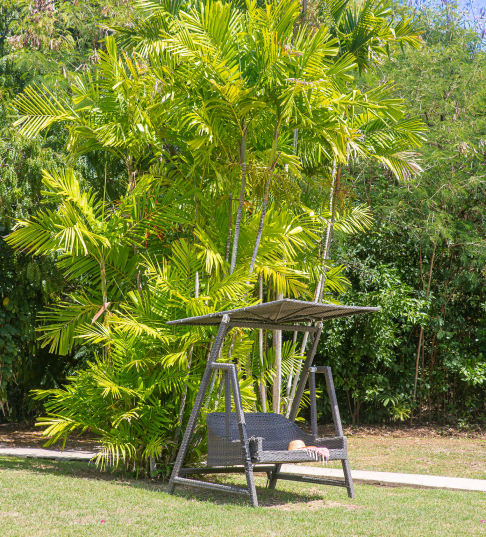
{"points": [[426, 450], [315, 504], [27, 435]]}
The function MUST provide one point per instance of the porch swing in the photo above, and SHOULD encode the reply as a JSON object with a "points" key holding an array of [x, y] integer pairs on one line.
{"points": [[241, 442]]}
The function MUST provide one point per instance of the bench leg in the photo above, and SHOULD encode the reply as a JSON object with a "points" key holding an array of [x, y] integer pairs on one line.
{"points": [[273, 479], [348, 478], [338, 428]]}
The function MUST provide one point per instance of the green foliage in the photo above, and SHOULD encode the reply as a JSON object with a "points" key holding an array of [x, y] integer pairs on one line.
{"points": [[371, 358], [129, 401], [210, 129], [26, 285], [432, 228], [43, 45]]}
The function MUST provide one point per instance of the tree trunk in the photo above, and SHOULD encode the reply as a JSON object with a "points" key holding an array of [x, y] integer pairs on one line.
{"points": [[221, 383], [277, 384], [132, 174], [184, 393], [230, 221], [104, 290], [422, 334], [263, 387], [330, 228], [240, 201], [272, 162], [416, 369], [260, 227], [299, 366], [291, 376], [320, 285], [182, 405], [104, 307]]}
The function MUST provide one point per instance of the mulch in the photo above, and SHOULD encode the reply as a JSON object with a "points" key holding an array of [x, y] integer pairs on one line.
{"points": [[29, 436]]}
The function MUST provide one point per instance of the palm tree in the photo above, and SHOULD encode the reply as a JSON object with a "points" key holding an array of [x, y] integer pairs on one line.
{"points": [[94, 243], [135, 397], [216, 89], [107, 110]]}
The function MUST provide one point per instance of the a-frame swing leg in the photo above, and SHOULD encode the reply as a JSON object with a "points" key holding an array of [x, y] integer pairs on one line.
{"points": [[191, 424], [245, 446], [231, 381], [229, 369], [336, 418]]}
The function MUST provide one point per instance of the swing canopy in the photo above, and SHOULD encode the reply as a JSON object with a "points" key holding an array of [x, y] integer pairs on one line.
{"points": [[248, 442], [284, 312]]}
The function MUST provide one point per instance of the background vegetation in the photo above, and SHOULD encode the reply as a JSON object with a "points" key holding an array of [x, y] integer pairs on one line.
{"points": [[154, 182]]}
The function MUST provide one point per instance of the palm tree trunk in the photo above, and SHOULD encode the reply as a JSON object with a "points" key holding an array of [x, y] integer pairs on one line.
{"points": [[263, 387], [104, 307], [321, 284], [230, 221], [260, 227], [277, 383], [299, 366], [189, 362], [132, 174], [240, 201], [182, 405], [330, 228], [291, 376], [221, 383], [104, 290], [272, 162]]}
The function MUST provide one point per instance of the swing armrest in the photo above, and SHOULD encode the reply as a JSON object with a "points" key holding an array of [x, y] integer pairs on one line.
{"points": [[256, 445], [334, 442], [337, 446]]}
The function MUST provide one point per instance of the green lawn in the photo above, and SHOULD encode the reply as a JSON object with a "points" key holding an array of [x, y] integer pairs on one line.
{"points": [[453, 457], [40, 498]]}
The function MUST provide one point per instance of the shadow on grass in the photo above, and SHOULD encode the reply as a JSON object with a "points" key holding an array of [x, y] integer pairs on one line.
{"points": [[81, 470]]}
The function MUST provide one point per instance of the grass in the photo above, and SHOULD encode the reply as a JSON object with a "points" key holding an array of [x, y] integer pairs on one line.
{"points": [[453, 457], [57, 498]]}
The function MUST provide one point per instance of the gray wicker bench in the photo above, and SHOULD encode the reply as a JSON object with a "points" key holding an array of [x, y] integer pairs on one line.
{"points": [[239, 442], [269, 438]]}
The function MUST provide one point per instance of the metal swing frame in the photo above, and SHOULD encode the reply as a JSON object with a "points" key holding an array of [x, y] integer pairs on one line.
{"points": [[241, 443]]}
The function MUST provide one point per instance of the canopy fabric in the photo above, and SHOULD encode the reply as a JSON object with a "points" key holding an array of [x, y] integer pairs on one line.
{"points": [[283, 312]]}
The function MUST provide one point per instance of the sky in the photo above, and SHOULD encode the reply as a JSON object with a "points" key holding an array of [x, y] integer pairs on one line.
{"points": [[479, 3]]}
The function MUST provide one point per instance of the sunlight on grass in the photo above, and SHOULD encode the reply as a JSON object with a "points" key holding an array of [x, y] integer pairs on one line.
{"points": [[452, 457]]}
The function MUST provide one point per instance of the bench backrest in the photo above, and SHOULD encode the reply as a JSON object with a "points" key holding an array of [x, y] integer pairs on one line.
{"points": [[277, 431]]}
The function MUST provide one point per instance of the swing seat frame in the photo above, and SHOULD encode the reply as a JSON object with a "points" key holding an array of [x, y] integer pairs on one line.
{"points": [[245, 443]]}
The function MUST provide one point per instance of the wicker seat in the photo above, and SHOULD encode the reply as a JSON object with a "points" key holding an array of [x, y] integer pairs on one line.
{"points": [[269, 438]]}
